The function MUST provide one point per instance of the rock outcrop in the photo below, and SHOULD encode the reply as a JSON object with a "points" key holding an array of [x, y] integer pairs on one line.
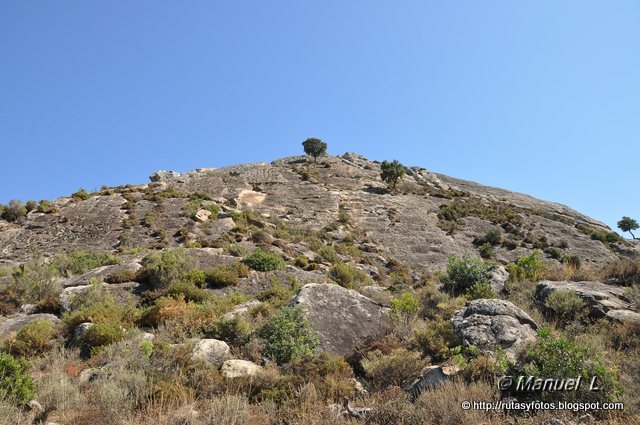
{"points": [[341, 317], [210, 351], [491, 323], [602, 300], [15, 322], [239, 369]]}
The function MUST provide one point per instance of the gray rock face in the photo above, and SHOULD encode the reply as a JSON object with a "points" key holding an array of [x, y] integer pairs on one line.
{"points": [[499, 276], [16, 322], [211, 351], [488, 323], [432, 377], [603, 300], [341, 317], [239, 369], [81, 330]]}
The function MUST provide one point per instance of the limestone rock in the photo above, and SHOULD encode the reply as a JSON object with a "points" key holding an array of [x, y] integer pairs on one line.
{"points": [[241, 309], [239, 369], [101, 274], [602, 300], [487, 323], [341, 317], [432, 377], [211, 351], [203, 215], [499, 276]]}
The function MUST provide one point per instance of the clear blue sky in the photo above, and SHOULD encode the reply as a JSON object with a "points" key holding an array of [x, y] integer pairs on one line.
{"points": [[541, 97]]}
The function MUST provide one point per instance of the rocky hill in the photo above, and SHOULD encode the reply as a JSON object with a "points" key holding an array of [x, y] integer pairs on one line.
{"points": [[285, 292]]}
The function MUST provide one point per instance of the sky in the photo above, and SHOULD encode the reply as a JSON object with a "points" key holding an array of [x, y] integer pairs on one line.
{"points": [[536, 96]]}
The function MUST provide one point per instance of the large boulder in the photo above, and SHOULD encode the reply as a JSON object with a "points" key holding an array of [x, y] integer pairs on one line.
{"points": [[14, 323], [341, 317], [602, 300], [103, 273], [211, 351], [487, 323], [240, 369]]}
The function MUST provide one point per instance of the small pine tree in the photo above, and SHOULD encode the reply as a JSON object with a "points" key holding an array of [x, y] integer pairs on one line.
{"points": [[391, 172], [627, 224], [315, 148]]}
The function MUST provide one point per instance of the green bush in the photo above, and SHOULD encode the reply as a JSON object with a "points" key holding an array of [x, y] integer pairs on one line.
{"points": [[31, 205], [328, 254], [486, 250], [288, 335], [348, 276], [314, 147], [33, 339], [226, 275], [190, 292], [573, 261], [528, 267], [264, 261], [397, 368], [161, 269], [391, 172], [14, 210], [46, 207], [79, 262], [463, 273], [605, 237], [492, 237], [480, 290], [405, 308], [81, 195], [34, 283], [15, 381], [558, 357]]}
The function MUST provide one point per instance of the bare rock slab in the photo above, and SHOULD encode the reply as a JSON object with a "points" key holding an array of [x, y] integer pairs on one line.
{"points": [[487, 323], [602, 300], [240, 369], [211, 351], [342, 317]]}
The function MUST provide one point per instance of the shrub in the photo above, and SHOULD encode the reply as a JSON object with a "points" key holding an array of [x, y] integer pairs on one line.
{"points": [[226, 275], [405, 308], [15, 381], [565, 305], [463, 273], [435, 338], [555, 253], [314, 147], [234, 330], [31, 205], [161, 269], [624, 270], [33, 339], [237, 250], [605, 237], [480, 290], [264, 261], [81, 195], [46, 207], [34, 283], [558, 357], [486, 250], [492, 237], [190, 292], [288, 335], [328, 254], [397, 368], [391, 172], [528, 267], [14, 210], [347, 275], [572, 261], [302, 261], [79, 262], [122, 275]]}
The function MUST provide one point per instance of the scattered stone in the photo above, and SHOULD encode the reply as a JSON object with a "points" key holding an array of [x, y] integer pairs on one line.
{"points": [[88, 375], [241, 309], [202, 215], [240, 369], [36, 407], [432, 377], [341, 317], [81, 330], [28, 308], [487, 323], [211, 351]]}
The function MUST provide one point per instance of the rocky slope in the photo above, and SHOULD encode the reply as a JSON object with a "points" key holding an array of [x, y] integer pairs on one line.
{"points": [[430, 217]]}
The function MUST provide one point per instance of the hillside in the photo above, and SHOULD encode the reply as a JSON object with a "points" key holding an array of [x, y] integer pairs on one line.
{"points": [[269, 291]]}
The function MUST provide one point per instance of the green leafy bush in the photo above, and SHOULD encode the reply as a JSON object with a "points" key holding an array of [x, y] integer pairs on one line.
{"points": [[15, 380], [480, 290], [391, 172], [347, 275], [314, 147], [463, 273], [528, 267], [190, 292], [605, 237], [79, 262], [288, 335], [161, 269], [264, 261], [405, 308], [81, 195], [435, 338], [565, 305], [328, 254], [34, 283], [226, 275]]}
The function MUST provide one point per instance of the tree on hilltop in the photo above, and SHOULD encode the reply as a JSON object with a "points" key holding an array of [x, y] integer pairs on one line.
{"points": [[314, 147], [627, 224], [391, 172]]}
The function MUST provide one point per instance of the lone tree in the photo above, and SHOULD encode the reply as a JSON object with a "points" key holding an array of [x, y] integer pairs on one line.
{"points": [[627, 224], [391, 172], [315, 148]]}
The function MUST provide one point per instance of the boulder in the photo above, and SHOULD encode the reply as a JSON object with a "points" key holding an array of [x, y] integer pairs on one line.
{"points": [[241, 309], [499, 276], [81, 330], [240, 369], [602, 300], [15, 322], [101, 274], [487, 323], [203, 215], [341, 317], [211, 351], [432, 377], [121, 292]]}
